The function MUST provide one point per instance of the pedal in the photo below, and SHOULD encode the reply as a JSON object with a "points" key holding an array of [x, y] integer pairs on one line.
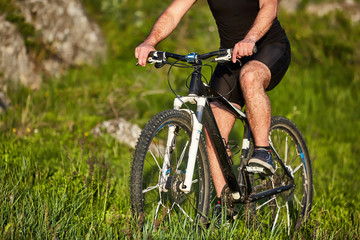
{"points": [[254, 169]]}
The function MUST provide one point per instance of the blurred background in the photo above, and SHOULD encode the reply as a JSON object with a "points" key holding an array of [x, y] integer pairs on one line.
{"points": [[72, 103]]}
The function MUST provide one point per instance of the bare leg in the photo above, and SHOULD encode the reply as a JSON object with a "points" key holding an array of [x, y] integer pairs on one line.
{"points": [[254, 78], [225, 121]]}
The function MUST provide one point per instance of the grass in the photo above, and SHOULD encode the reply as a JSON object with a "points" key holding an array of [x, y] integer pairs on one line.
{"points": [[59, 181]]}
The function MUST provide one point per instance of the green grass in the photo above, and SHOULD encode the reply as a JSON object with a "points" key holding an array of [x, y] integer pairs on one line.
{"points": [[59, 181]]}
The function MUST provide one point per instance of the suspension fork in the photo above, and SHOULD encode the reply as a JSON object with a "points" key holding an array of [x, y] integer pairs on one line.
{"points": [[194, 143], [167, 157], [195, 136]]}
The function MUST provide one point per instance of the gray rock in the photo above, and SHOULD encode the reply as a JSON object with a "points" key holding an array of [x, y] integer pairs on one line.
{"points": [[68, 31], [126, 133], [120, 129], [15, 64]]}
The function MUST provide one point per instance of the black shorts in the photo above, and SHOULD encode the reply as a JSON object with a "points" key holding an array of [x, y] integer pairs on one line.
{"points": [[276, 56]]}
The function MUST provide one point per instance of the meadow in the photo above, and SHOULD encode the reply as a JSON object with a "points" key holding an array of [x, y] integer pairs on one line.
{"points": [[58, 181]]}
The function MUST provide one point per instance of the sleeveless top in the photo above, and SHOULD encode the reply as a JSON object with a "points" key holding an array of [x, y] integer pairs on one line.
{"points": [[234, 18]]}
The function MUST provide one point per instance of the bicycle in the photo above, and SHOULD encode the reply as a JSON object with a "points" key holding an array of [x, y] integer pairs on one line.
{"points": [[170, 176]]}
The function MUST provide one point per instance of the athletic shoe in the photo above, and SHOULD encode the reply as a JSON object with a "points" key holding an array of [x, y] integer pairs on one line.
{"points": [[263, 158]]}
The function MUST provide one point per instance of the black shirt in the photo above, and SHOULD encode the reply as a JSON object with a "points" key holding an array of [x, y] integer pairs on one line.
{"points": [[234, 19]]}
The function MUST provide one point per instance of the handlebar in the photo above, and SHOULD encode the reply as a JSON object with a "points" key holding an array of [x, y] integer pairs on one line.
{"points": [[159, 58]]}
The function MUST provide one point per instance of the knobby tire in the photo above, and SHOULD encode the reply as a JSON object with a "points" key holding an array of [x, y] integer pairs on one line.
{"points": [[173, 205]]}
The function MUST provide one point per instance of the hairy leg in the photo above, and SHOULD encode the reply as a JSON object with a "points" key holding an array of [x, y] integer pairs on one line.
{"points": [[225, 121], [254, 78]]}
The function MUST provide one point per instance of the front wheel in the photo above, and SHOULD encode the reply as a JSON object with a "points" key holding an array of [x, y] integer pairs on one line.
{"points": [[287, 211], [155, 192]]}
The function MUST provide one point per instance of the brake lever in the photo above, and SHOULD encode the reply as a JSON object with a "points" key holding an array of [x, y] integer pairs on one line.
{"points": [[224, 57], [155, 57]]}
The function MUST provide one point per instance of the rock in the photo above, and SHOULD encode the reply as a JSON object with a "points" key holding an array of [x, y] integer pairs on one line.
{"points": [[351, 8], [289, 5], [120, 129], [14, 62], [68, 36], [68, 31], [126, 133]]}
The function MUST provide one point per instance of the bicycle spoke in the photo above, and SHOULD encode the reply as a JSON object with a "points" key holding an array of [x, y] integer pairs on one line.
{"points": [[181, 209], [288, 216], [168, 213], [158, 147], [154, 159], [297, 168], [297, 200], [258, 207], [191, 200], [182, 156], [150, 188], [286, 150], [276, 218], [157, 209]]}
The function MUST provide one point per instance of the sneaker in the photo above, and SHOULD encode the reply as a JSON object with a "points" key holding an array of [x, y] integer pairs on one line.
{"points": [[225, 206], [217, 214], [263, 158]]}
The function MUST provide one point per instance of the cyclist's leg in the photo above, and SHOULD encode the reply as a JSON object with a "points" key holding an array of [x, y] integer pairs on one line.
{"points": [[225, 82], [225, 121], [261, 73], [254, 78]]}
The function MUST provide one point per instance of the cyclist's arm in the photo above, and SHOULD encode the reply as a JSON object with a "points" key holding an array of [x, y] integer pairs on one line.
{"points": [[162, 28], [262, 24]]}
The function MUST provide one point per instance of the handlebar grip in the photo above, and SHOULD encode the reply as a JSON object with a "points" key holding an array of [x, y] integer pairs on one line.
{"points": [[151, 54], [254, 50]]}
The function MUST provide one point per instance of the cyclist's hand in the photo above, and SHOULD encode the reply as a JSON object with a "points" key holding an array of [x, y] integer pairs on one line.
{"points": [[142, 52], [243, 48]]}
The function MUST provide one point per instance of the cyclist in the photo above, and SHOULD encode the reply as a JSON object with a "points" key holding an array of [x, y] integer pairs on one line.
{"points": [[242, 25]]}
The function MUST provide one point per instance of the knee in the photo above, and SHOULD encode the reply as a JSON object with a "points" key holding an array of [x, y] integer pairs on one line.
{"points": [[254, 80], [248, 79]]}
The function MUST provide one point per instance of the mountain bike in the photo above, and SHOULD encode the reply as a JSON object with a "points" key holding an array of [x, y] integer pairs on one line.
{"points": [[170, 176]]}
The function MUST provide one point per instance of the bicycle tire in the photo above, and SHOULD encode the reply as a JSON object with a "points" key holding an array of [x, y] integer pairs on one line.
{"points": [[146, 173], [291, 208]]}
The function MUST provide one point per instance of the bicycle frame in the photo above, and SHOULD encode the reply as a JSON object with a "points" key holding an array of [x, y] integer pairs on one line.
{"points": [[199, 92]]}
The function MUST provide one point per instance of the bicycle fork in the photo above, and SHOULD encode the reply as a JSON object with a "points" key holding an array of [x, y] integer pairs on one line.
{"points": [[197, 127]]}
